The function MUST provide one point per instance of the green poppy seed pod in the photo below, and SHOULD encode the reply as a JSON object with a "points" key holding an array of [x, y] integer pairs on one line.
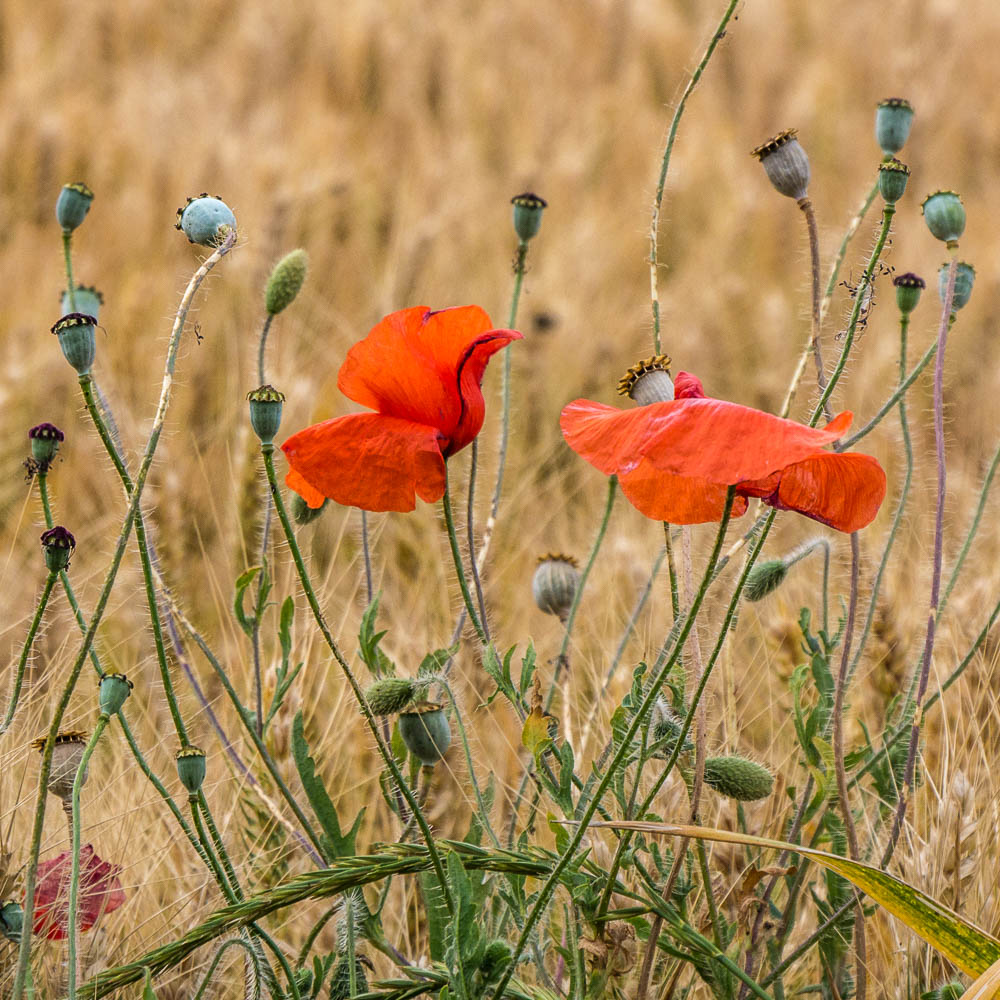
{"points": [[265, 412], [11, 920], [965, 276], [944, 215], [285, 281], [76, 338], [191, 768], [648, 381], [303, 513], [738, 778], [555, 583], [88, 300], [425, 731], [908, 289], [58, 546], [528, 210], [67, 755], [765, 578], [45, 440], [72, 205], [205, 220], [390, 695], [892, 178], [113, 690], [786, 164], [893, 118]]}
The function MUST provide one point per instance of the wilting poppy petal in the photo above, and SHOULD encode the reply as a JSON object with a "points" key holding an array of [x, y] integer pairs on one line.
{"points": [[369, 460], [295, 481], [100, 892], [677, 499]]}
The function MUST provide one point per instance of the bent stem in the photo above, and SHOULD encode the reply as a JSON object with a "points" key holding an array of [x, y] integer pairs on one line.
{"points": [[816, 318], [482, 629]]}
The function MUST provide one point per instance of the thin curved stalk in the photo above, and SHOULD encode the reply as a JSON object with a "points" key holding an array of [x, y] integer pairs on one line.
{"points": [[217, 957], [481, 627]]}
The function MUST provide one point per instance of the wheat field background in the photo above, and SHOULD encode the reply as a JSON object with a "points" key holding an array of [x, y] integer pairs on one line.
{"points": [[387, 139]]}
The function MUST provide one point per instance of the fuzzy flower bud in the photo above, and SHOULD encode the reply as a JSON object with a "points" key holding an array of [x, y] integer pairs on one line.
{"points": [[72, 205], [58, 546], [738, 778], [285, 281], [944, 215], [205, 220], [648, 381], [67, 755], [528, 210], [555, 583], [425, 731], [893, 118], [908, 289], [390, 695], [76, 338], [113, 690], [892, 178], [45, 439], [302, 513], [765, 578], [11, 919], [265, 412], [965, 276], [86, 299], [786, 164], [191, 768]]}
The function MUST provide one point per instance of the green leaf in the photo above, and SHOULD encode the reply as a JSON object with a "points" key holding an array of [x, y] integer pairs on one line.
{"points": [[285, 629], [243, 582], [368, 639], [535, 733], [434, 663], [147, 985], [527, 669], [337, 844], [437, 914]]}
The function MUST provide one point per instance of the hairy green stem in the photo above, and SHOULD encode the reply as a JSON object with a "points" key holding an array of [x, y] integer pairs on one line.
{"points": [[214, 964], [67, 242], [481, 627], [261, 346]]}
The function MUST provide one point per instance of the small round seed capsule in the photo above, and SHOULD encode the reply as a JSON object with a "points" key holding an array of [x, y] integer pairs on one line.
{"points": [[45, 439], [425, 731], [58, 546], [389, 695], [944, 215], [205, 220], [114, 689], [87, 298], [893, 118], [738, 778], [785, 163], [67, 755], [555, 583], [76, 338], [892, 178], [191, 768], [265, 412], [965, 276], [72, 205], [908, 289], [528, 209], [285, 281]]}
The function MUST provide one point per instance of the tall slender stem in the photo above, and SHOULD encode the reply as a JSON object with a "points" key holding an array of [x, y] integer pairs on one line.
{"points": [[816, 317], [481, 627], [67, 242], [264, 330]]}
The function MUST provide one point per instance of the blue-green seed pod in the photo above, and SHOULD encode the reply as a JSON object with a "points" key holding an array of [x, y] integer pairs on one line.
{"points": [[191, 768], [205, 220], [786, 164], [908, 289], [528, 209], [113, 690], [738, 778], [265, 412], [965, 277], [58, 546], [389, 695], [555, 583], [76, 338], [892, 178], [45, 439], [944, 215], [764, 579], [87, 298], [285, 281], [11, 920], [72, 205], [893, 118], [302, 513], [425, 731]]}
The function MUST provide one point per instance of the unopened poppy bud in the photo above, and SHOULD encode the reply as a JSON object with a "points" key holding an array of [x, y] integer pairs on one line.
{"points": [[946, 991], [668, 729], [944, 215], [11, 919], [113, 691], [495, 959], [528, 210], [205, 220], [45, 439], [965, 276], [72, 205], [58, 546], [191, 768], [738, 778], [892, 178], [265, 412], [785, 163], [648, 381], [908, 289], [555, 583], [390, 695], [76, 338], [285, 281], [765, 578], [67, 755], [893, 118], [86, 299], [425, 731], [303, 513]]}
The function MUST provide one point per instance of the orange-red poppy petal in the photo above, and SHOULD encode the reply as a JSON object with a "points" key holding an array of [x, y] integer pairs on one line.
{"points": [[297, 482], [677, 499], [370, 461]]}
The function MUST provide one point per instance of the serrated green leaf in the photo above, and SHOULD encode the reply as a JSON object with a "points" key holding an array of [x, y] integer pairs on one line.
{"points": [[527, 669], [434, 663]]}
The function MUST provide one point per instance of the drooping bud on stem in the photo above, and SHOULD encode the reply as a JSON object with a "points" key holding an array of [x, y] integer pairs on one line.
{"points": [[285, 281], [390, 695]]}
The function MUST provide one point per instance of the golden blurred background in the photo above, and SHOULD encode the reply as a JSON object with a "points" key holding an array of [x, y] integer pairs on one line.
{"points": [[387, 140]]}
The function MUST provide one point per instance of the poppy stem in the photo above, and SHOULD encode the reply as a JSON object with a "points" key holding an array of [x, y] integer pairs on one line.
{"points": [[367, 556], [67, 242], [482, 629], [816, 318], [264, 330]]}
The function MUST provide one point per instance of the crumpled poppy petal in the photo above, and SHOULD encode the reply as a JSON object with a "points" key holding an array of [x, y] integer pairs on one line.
{"points": [[297, 482], [677, 499], [843, 491], [370, 461], [426, 367], [612, 440], [100, 892]]}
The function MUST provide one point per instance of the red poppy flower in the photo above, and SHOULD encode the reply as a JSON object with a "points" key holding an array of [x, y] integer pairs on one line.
{"points": [[675, 460], [100, 892], [421, 371]]}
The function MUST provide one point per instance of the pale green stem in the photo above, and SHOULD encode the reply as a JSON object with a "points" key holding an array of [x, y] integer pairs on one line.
{"points": [[206, 843], [265, 329], [482, 629], [214, 964], [67, 241], [366, 552]]}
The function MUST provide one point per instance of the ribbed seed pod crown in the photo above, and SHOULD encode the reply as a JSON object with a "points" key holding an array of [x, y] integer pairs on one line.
{"points": [[893, 118], [786, 164], [265, 412], [58, 545], [67, 755], [45, 440], [648, 381], [191, 768], [892, 178], [528, 209], [908, 288], [76, 338], [205, 220], [555, 583], [944, 214], [114, 689], [72, 205]]}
